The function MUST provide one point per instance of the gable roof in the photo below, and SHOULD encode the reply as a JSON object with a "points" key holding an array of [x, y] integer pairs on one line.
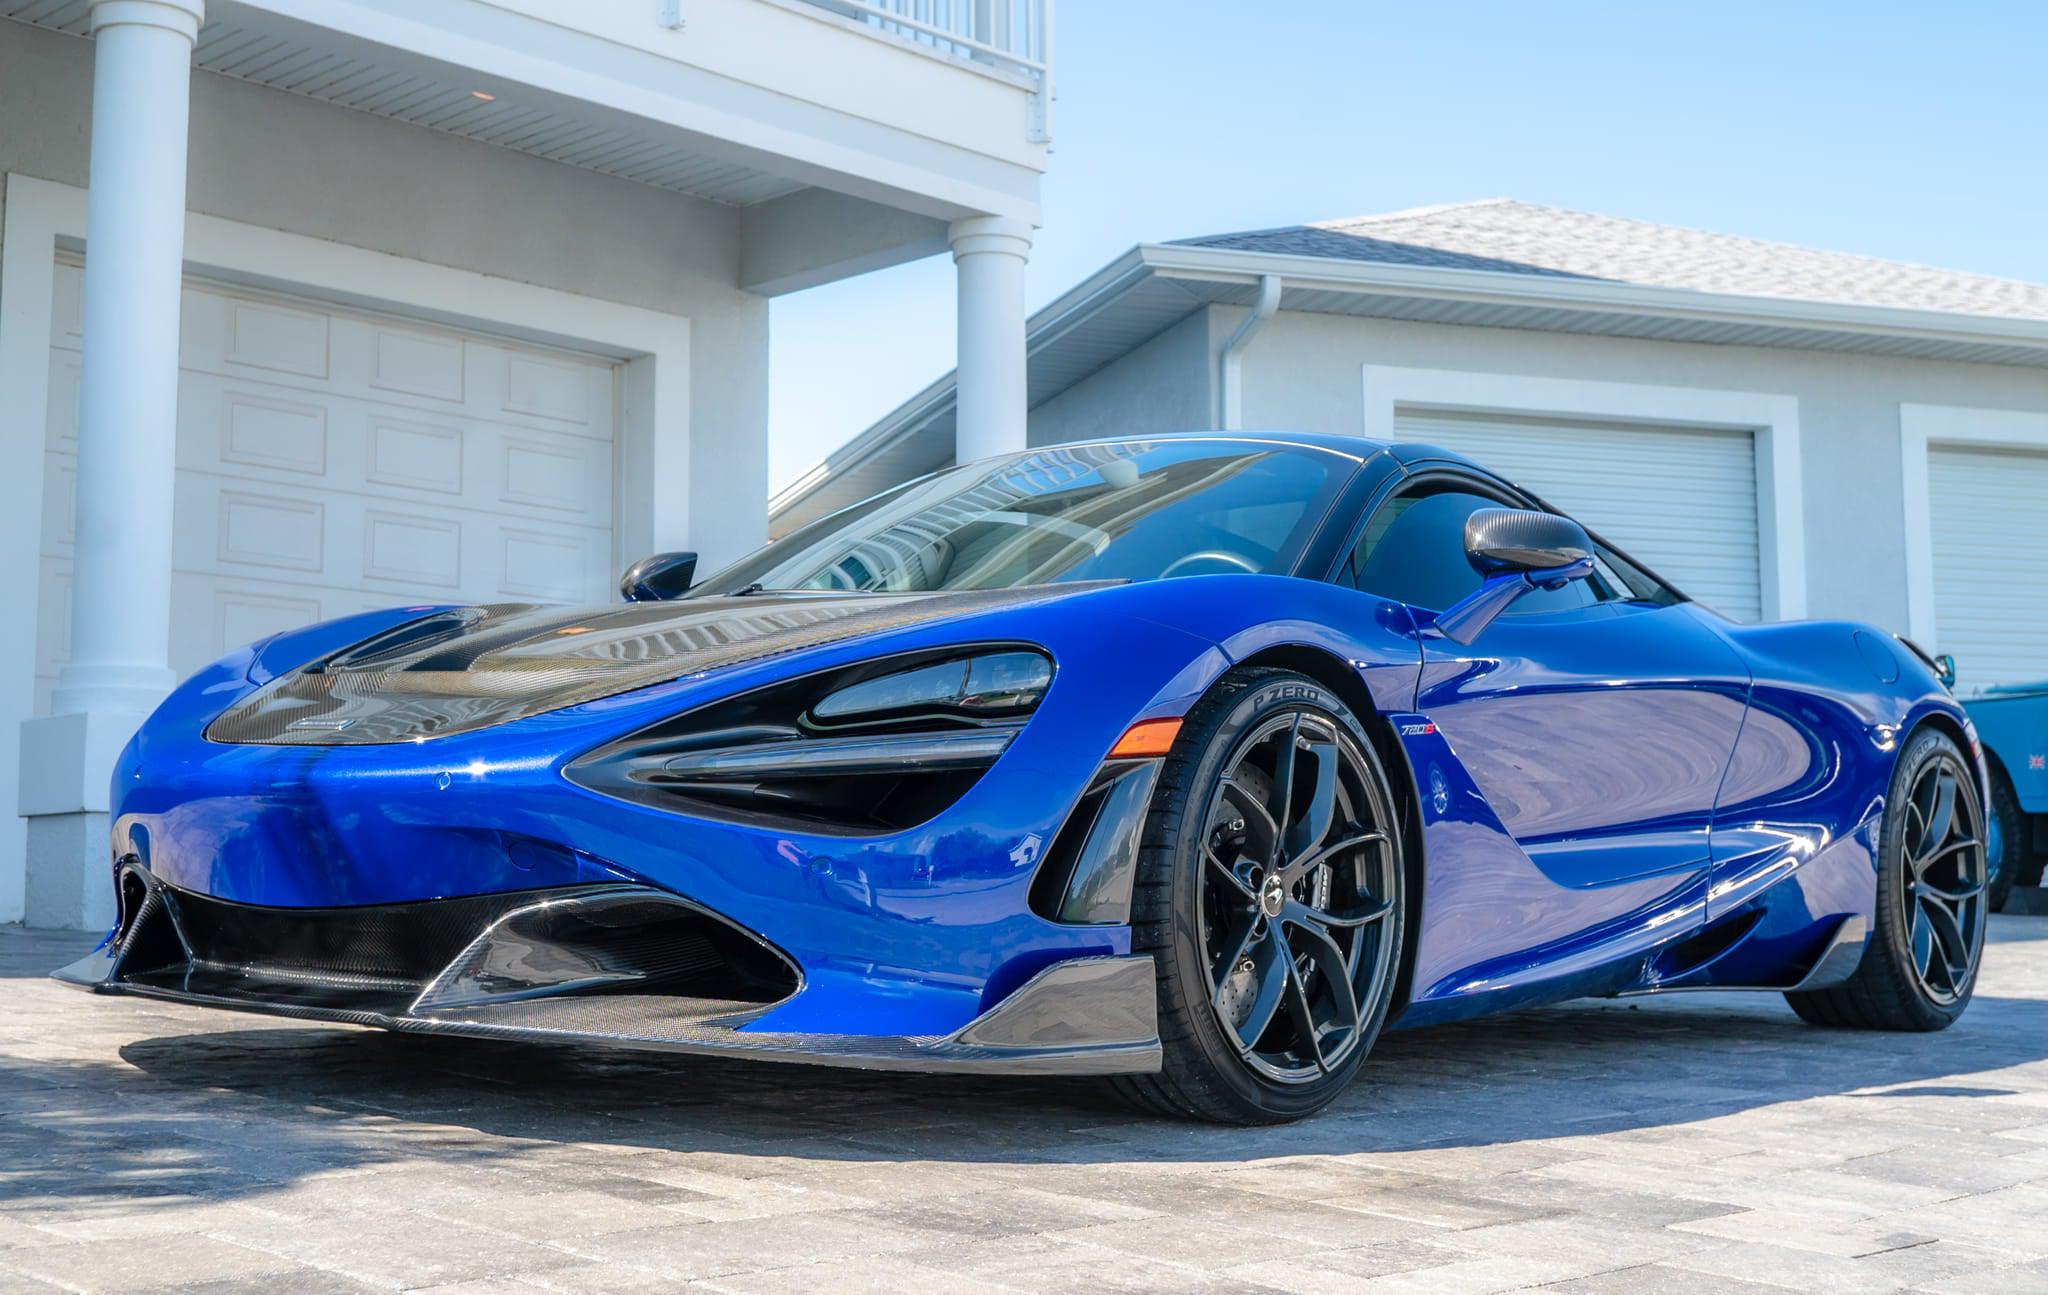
{"points": [[1509, 237], [1496, 263]]}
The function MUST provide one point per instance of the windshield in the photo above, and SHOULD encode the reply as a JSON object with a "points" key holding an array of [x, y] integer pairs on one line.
{"points": [[1138, 510]]}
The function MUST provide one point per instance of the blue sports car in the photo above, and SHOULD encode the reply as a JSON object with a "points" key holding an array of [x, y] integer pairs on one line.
{"points": [[1193, 762]]}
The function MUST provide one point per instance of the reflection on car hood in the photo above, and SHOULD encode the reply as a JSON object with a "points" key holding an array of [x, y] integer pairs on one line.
{"points": [[465, 669]]}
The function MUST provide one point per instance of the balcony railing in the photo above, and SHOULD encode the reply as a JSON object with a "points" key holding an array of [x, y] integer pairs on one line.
{"points": [[1013, 35]]}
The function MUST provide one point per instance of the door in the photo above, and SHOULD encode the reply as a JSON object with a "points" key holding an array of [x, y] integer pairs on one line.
{"points": [[1586, 729], [331, 462], [1682, 499], [1988, 511]]}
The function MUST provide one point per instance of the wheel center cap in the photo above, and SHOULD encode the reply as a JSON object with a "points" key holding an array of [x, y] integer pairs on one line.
{"points": [[1272, 897]]}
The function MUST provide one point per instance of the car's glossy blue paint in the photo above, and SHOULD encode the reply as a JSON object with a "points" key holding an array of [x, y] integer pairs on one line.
{"points": [[1594, 789]]}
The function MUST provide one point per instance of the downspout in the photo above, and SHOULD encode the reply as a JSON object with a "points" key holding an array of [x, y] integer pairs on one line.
{"points": [[1230, 380]]}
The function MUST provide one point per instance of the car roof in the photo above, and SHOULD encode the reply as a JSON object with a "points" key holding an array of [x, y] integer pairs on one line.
{"points": [[1356, 447]]}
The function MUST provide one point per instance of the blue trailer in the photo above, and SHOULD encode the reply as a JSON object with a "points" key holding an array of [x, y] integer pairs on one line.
{"points": [[2012, 722]]}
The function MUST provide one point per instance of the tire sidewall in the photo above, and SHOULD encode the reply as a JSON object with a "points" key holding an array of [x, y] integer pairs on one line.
{"points": [[1211, 739]]}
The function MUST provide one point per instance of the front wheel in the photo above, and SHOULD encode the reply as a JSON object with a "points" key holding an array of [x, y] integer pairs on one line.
{"points": [[1920, 965], [1270, 893]]}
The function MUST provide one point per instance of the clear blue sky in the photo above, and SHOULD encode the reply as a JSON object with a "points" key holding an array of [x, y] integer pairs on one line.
{"points": [[1912, 131]]}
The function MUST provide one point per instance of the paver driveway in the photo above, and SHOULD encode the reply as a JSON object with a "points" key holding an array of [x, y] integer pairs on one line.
{"points": [[1709, 1143]]}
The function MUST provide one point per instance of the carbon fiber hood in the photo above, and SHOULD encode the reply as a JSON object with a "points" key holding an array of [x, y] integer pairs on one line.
{"points": [[470, 668]]}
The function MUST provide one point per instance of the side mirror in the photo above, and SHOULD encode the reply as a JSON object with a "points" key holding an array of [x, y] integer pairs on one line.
{"points": [[658, 576], [1519, 550], [1520, 539], [1945, 670]]}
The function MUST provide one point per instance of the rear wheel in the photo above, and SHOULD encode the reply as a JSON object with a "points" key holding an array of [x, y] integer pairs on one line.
{"points": [[1270, 895], [1920, 966]]}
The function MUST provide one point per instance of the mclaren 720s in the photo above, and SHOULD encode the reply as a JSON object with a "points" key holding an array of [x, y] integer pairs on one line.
{"points": [[1192, 762]]}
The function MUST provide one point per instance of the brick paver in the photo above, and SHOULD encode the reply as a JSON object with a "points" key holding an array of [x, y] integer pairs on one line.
{"points": [[1707, 1143]]}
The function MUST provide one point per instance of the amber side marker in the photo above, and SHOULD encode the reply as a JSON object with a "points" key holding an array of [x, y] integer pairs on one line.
{"points": [[1147, 737]]}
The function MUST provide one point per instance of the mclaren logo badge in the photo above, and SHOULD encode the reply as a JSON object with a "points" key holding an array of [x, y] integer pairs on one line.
{"points": [[331, 725]]}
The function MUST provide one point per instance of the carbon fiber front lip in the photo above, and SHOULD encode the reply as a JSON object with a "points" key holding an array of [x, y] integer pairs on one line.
{"points": [[1112, 977], [1085, 1016]]}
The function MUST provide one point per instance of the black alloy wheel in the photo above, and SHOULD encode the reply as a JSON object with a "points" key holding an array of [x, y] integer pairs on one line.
{"points": [[1271, 895], [1944, 880], [1933, 904]]}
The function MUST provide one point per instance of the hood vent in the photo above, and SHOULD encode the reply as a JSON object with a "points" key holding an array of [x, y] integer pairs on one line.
{"points": [[466, 669]]}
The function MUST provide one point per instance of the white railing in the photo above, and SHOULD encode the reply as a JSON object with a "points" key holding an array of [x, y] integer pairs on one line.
{"points": [[1014, 35]]}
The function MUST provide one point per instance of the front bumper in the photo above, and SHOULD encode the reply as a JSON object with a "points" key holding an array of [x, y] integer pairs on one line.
{"points": [[615, 964]]}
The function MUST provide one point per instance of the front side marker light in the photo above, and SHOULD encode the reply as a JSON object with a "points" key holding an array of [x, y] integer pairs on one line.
{"points": [[1147, 737]]}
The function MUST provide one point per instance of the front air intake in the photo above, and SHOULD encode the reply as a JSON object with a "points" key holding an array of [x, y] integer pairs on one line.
{"points": [[631, 950]]}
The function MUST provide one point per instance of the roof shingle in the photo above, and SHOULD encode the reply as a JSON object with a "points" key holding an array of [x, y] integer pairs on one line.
{"points": [[1511, 237]]}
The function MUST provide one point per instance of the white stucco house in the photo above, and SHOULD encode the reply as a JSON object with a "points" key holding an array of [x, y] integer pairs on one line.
{"points": [[308, 306], [1782, 432]]}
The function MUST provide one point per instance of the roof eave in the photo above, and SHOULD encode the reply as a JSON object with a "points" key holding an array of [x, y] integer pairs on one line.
{"points": [[1187, 263], [1498, 287]]}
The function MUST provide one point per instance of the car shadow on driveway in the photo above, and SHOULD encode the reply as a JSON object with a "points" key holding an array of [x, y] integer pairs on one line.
{"points": [[199, 1110]]}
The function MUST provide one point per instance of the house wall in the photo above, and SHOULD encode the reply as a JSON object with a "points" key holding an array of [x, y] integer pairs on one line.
{"points": [[1165, 385], [1306, 372], [278, 160]]}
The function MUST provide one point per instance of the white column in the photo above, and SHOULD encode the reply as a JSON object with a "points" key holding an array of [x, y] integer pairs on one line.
{"points": [[128, 398], [127, 455], [990, 252]]}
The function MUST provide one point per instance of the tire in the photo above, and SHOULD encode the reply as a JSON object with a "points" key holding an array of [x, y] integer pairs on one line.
{"points": [[1255, 916], [1918, 972], [2008, 839]]}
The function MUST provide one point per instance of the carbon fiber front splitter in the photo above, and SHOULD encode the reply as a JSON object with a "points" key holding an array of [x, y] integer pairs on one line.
{"points": [[534, 972]]}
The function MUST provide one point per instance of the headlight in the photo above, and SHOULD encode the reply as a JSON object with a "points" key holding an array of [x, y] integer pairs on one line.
{"points": [[877, 747], [994, 684]]}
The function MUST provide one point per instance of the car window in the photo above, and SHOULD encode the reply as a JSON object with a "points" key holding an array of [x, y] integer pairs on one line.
{"points": [[1413, 551], [1137, 510]]}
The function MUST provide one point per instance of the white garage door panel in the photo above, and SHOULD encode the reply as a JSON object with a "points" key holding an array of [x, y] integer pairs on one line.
{"points": [[1989, 511], [1681, 501], [331, 463]]}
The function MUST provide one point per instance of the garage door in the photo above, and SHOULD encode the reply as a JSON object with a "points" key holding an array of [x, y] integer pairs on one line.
{"points": [[1682, 502], [331, 462], [1989, 512]]}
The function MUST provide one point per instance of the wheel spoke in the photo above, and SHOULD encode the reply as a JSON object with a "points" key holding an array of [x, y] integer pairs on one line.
{"points": [[1948, 935], [1928, 890], [1335, 968], [1938, 823], [1245, 799], [1283, 782], [1271, 967], [1305, 1016], [1942, 852], [1307, 832], [1228, 874], [1298, 912], [1922, 940], [1220, 974], [1301, 867]]}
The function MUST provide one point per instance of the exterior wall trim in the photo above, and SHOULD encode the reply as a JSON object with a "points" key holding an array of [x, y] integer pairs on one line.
{"points": [[1773, 419], [44, 218], [1920, 428]]}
